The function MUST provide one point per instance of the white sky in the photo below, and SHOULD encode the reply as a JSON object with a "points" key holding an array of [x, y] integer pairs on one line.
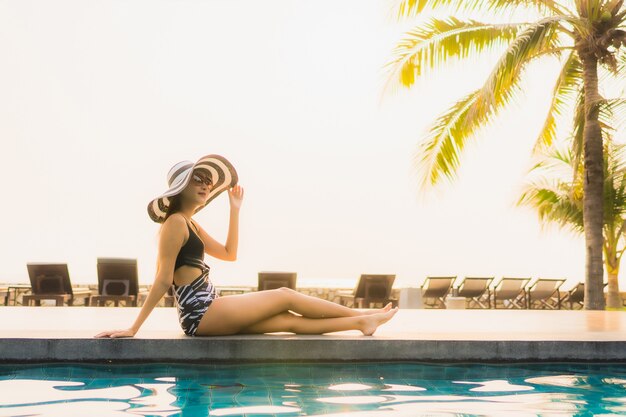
{"points": [[99, 99]]}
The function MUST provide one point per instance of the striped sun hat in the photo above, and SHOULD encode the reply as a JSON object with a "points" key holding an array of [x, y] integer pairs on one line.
{"points": [[222, 173]]}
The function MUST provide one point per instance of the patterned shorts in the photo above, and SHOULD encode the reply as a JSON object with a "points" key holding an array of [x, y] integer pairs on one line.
{"points": [[193, 300]]}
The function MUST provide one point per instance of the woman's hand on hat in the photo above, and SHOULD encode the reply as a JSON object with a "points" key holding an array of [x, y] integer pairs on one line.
{"points": [[116, 333], [235, 196]]}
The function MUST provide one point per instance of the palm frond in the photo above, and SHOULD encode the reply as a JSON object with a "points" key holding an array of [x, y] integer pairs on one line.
{"points": [[578, 128], [439, 153], [557, 161], [614, 6], [589, 9], [614, 184], [411, 8], [612, 113], [562, 158], [559, 200], [567, 85], [438, 40], [500, 85], [542, 6], [619, 76], [617, 153], [554, 204]]}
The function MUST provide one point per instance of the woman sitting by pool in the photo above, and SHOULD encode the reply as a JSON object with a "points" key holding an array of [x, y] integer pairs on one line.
{"points": [[182, 247]]}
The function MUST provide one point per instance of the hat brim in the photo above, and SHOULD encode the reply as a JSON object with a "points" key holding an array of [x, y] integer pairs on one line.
{"points": [[222, 174]]}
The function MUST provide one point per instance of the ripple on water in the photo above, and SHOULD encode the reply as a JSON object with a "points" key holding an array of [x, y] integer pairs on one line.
{"points": [[395, 389]]}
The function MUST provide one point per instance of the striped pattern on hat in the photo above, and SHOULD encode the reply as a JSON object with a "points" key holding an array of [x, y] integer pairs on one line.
{"points": [[219, 169]]}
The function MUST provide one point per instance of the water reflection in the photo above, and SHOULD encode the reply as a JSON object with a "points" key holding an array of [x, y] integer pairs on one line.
{"points": [[312, 389], [578, 381], [349, 387], [354, 399], [495, 386], [159, 402], [263, 409], [70, 409]]}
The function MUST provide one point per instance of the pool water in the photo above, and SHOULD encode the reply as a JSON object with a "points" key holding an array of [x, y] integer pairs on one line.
{"points": [[313, 389]]}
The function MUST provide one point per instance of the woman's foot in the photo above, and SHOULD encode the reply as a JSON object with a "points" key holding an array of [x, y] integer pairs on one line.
{"points": [[370, 322], [376, 310]]}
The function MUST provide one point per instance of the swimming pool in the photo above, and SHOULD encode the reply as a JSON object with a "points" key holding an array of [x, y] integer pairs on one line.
{"points": [[313, 389]]}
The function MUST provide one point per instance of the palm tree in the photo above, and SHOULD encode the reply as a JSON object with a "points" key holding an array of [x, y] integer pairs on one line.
{"points": [[585, 35], [558, 198]]}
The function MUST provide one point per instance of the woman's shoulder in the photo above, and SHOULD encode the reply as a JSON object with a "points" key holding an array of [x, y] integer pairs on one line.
{"points": [[175, 221]]}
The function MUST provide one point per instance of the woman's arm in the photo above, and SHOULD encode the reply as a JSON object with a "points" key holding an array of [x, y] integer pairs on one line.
{"points": [[227, 252], [170, 242]]}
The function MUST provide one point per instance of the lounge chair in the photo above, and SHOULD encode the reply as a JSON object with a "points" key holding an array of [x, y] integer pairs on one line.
{"points": [[511, 292], [168, 299], [117, 282], [371, 289], [52, 282], [437, 289], [544, 293], [575, 297], [4, 295], [476, 291], [273, 280]]}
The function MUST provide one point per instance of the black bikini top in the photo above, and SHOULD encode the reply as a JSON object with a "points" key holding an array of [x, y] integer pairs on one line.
{"points": [[192, 252]]}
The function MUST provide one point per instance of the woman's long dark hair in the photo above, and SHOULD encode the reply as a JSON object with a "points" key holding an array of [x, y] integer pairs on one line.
{"points": [[174, 206]]}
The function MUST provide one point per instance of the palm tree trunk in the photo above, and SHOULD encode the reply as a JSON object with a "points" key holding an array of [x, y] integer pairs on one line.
{"points": [[614, 300], [593, 208], [612, 270]]}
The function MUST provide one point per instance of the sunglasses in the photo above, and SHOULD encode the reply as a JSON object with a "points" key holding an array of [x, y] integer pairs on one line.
{"points": [[199, 180]]}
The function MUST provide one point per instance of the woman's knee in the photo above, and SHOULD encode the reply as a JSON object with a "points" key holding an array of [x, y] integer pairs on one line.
{"points": [[287, 295]]}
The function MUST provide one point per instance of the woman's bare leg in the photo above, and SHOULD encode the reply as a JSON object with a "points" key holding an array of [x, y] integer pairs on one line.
{"points": [[288, 322], [317, 308], [230, 314]]}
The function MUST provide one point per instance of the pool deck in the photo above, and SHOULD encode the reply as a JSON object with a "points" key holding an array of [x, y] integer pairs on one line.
{"points": [[66, 334]]}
